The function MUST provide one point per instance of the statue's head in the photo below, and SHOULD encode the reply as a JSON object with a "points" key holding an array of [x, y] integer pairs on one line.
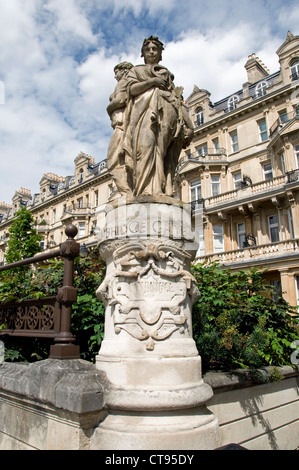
{"points": [[152, 42], [122, 68]]}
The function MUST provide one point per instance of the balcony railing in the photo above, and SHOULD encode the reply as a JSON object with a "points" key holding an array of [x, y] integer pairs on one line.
{"points": [[281, 121], [292, 176], [78, 208], [259, 252], [205, 155], [251, 190]]}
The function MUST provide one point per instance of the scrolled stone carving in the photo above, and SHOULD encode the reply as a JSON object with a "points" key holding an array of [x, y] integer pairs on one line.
{"points": [[147, 289]]}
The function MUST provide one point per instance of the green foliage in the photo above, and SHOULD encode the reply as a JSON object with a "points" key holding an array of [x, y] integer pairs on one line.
{"points": [[237, 322], [23, 238]]}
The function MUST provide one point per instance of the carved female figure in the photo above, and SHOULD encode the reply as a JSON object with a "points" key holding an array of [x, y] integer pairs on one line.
{"points": [[157, 124]]}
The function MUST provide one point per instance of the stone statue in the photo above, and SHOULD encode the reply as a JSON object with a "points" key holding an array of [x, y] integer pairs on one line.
{"points": [[156, 126], [117, 165]]}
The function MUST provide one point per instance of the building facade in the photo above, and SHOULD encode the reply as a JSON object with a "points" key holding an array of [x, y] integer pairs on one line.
{"points": [[241, 172], [242, 169]]}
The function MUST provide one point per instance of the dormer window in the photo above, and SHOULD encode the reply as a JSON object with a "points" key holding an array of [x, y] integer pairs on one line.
{"points": [[199, 120], [232, 102], [260, 89], [295, 70], [80, 176]]}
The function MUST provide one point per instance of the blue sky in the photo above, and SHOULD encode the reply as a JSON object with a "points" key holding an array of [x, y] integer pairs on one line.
{"points": [[57, 59]]}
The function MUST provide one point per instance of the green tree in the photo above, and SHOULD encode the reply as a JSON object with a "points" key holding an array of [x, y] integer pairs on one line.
{"points": [[23, 238]]}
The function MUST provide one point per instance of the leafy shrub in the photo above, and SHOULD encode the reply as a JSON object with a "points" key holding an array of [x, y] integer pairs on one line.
{"points": [[237, 322]]}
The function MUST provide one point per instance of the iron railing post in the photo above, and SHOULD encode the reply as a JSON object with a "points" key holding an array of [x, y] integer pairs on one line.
{"points": [[64, 347]]}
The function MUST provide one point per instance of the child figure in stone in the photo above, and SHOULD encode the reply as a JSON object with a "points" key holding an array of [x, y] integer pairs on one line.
{"points": [[118, 164]]}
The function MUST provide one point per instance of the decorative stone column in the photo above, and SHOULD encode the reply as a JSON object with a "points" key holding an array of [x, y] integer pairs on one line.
{"points": [[157, 398]]}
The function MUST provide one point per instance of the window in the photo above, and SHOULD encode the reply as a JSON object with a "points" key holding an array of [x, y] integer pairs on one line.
{"points": [[232, 103], [195, 190], [81, 232], [263, 130], [260, 89], [295, 70], [237, 177], [273, 228], [234, 141], [283, 116], [202, 150], [277, 290], [80, 176], [54, 216], [241, 234], [268, 173], [80, 203], [216, 145], [218, 238], [96, 198], [215, 182], [291, 225], [283, 167], [297, 288], [296, 150], [199, 120]]}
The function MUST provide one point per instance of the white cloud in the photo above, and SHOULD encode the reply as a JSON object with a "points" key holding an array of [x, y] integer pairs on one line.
{"points": [[216, 61], [289, 18]]}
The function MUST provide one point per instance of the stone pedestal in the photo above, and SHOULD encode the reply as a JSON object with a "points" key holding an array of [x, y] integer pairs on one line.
{"points": [[157, 398]]}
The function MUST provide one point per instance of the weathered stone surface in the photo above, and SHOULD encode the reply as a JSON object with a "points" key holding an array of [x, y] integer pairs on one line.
{"points": [[151, 125], [73, 385], [157, 398]]}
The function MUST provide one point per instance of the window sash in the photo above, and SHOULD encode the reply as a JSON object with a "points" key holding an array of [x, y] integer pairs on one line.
{"points": [[218, 238], [241, 234], [202, 150], [215, 183], [296, 150], [234, 141], [237, 178], [81, 232], [295, 71], [268, 172], [263, 131], [195, 190], [273, 228], [261, 89]]}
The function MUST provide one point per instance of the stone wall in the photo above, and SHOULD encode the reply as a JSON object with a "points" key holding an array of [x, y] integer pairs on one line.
{"points": [[257, 412], [57, 405]]}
